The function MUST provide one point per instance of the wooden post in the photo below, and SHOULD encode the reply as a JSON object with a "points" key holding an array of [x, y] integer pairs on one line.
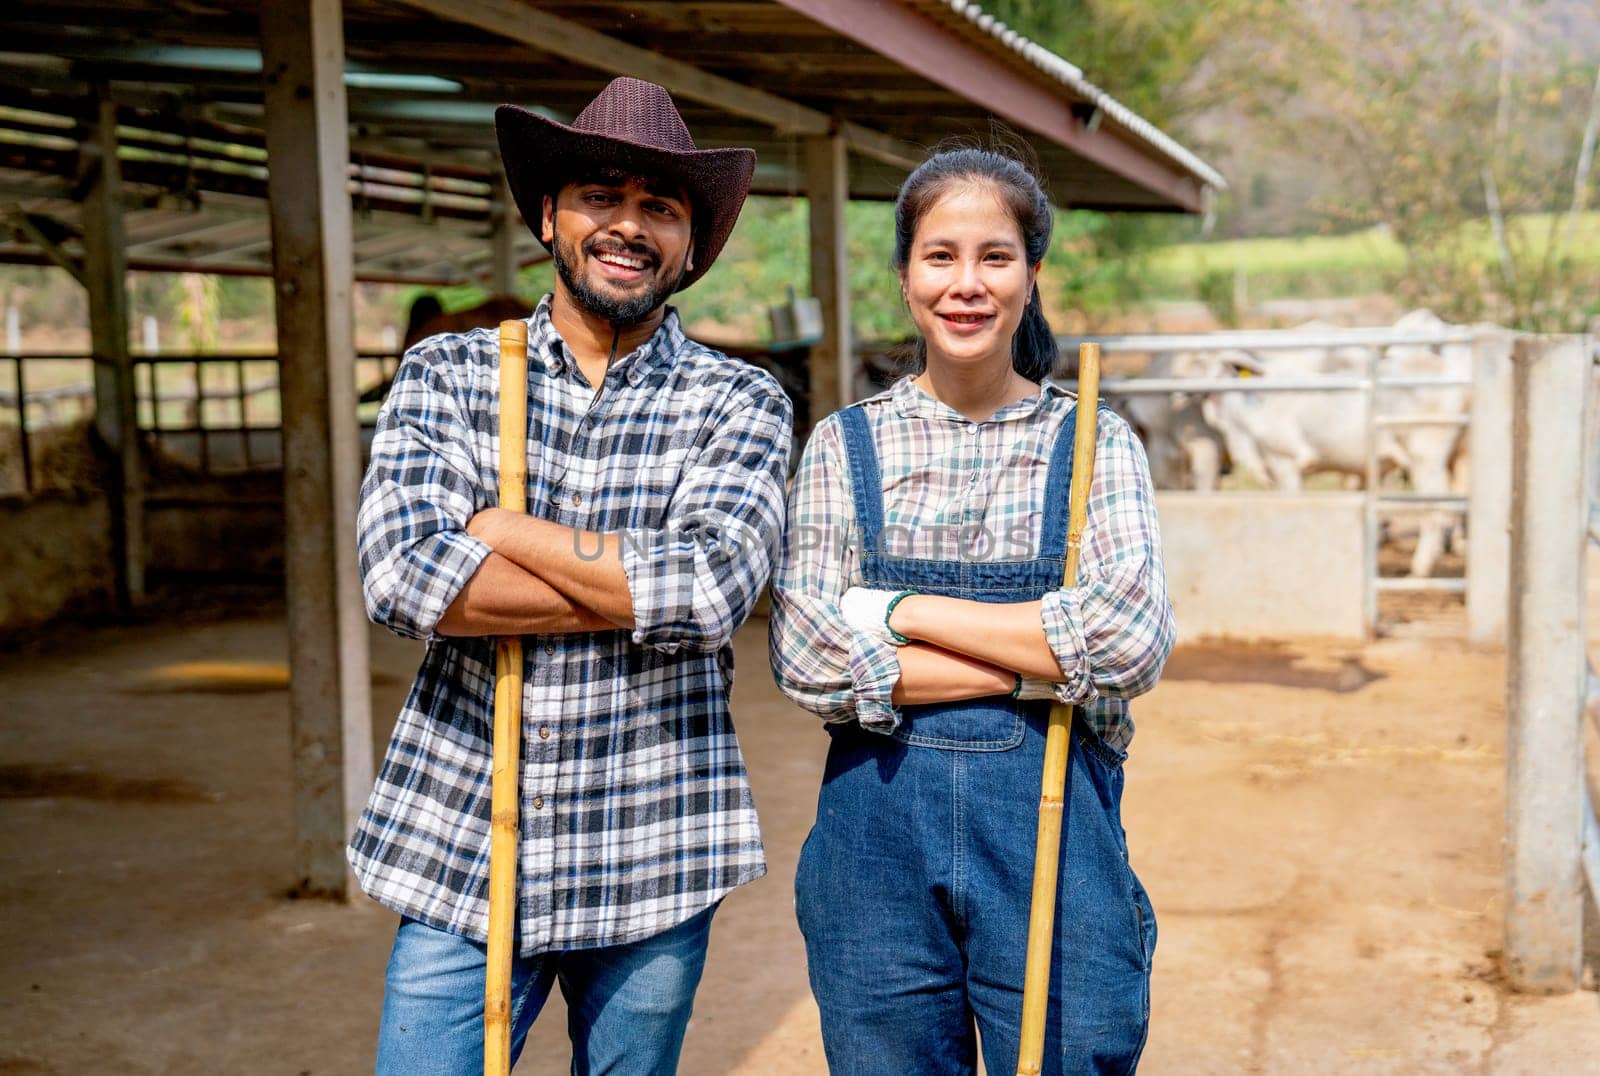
{"points": [[105, 266], [503, 227], [1489, 492], [1546, 664], [302, 46], [833, 366]]}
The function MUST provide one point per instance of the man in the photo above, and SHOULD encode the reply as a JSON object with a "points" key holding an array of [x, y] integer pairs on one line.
{"points": [[656, 476]]}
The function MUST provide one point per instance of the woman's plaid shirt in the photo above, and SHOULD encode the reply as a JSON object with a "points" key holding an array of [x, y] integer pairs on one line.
{"points": [[636, 812], [954, 489]]}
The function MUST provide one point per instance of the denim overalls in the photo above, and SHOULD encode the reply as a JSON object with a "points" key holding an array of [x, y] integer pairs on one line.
{"points": [[913, 887]]}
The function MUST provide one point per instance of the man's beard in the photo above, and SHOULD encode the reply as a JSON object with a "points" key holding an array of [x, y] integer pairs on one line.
{"points": [[619, 312]]}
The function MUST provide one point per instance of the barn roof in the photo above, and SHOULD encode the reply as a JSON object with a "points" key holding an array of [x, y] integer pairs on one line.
{"points": [[422, 76]]}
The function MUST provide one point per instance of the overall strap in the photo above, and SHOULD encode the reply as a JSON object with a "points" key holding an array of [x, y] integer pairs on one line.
{"points": [[866, 480], [1058, 490]]}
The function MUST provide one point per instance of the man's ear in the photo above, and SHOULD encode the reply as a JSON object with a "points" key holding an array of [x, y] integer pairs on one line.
{"points": [[547, 223]]}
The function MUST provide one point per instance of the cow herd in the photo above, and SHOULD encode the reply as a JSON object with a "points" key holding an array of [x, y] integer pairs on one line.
{"points": [[1277, 438]]}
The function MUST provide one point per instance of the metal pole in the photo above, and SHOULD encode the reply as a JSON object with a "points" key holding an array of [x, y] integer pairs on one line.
{"points": [[244, 414], [1546, 663], [155, 403], [200, 417], [22, 426], [1489, 495], [1369, 503]]}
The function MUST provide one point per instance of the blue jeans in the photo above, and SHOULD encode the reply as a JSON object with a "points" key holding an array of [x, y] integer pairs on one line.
{"points": [[627, 1005]]}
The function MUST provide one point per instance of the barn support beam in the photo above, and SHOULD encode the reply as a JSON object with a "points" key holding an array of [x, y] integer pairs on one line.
{"points": [[576, 43], [105, 277], [28, 225], [503, 225], [1546, 664], [1489, 490], [302, 45], [833, 365]]}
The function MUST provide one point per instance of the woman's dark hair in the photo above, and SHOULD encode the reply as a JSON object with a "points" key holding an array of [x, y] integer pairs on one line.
{"points": [[1033, 348]]}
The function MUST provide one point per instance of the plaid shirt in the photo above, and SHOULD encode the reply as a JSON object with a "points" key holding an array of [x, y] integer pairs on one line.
{"points": [[961, 490], [636, 812]]}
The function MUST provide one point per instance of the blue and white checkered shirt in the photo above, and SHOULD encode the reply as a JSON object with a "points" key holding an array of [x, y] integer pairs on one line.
{"points": [[636, 812]]}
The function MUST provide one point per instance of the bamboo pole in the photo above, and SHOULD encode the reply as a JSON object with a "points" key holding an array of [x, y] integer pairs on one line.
{"points": [[507, 720], [1057, 745]]}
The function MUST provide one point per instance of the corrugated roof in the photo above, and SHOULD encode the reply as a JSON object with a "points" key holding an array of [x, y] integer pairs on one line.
{"points": [[1059, 70]]}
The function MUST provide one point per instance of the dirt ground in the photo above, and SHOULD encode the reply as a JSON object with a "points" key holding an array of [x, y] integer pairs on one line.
{"points": [[1319, 826]]}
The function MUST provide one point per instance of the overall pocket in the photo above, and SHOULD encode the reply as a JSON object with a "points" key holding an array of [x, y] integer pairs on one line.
{"points": [[992, 724]]}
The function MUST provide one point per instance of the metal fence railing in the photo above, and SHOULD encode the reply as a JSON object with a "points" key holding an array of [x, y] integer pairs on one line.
{"points": [[213, 413], [1371, 384]]}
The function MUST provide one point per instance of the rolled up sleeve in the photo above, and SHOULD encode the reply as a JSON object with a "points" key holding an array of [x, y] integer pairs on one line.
{"points": [[694, 580], [1112, 632], [818, 662], [420, 490]]}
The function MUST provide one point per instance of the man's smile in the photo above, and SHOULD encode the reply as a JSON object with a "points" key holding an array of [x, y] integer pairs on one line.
{"points": [[621, 265]]}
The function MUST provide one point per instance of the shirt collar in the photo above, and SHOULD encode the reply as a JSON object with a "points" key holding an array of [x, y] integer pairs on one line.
{"points": [[660, 350], [912, 402]]}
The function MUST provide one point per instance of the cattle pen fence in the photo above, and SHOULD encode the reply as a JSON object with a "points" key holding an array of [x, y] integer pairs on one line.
{"points": [[1483, 506], [1533, 511]]}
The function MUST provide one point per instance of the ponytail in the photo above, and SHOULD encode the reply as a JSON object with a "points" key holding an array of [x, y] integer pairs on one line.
{"points": [[1033, 349]]}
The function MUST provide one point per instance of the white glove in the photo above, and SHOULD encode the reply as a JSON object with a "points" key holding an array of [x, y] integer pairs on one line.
{"points": [[867, 611], [1032, 689]]}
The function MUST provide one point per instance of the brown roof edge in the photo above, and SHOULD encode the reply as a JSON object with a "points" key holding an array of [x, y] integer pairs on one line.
{"points": [[912, 39]]}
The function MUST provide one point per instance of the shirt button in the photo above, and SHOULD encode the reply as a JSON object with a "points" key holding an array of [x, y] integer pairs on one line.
{"points": [[549, 648], [538, 803], [577, 498], [544, 732]]}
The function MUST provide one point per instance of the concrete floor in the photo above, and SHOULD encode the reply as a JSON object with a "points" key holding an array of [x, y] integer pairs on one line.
{"points": [[1319, 826]]}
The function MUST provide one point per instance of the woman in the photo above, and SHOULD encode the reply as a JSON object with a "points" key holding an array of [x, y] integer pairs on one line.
{"points": [[919, 610]]}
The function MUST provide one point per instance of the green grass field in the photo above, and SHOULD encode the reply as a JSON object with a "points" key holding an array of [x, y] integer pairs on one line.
{"points": [[1351, 264]]}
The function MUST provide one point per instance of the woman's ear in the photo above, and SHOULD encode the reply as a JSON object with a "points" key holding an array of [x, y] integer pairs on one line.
{"points": [[1033, 275]]}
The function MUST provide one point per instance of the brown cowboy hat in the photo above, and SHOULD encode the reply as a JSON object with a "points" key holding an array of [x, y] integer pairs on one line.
{"points": [[632, 126]]}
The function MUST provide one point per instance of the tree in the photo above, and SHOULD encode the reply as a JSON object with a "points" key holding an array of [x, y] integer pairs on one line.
{"points": [[1457, 126], [1173, 63]]}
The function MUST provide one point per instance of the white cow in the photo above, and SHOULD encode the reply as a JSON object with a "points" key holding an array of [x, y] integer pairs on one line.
{"points": [[1185, 451], [1282, 436]]}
